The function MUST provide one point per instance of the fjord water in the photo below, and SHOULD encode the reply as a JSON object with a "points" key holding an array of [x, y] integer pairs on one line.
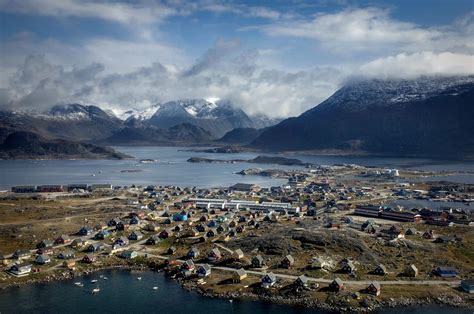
{"points": [[123, 293], [172, 168]]}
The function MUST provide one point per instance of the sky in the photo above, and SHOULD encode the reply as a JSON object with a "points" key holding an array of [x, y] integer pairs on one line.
{"points": [[278, 58]]}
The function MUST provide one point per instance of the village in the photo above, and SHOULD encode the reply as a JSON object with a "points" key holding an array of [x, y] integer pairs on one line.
{"points": [[327, 235]]}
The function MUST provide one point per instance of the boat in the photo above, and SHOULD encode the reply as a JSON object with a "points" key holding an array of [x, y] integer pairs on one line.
{"points": [[79, 284], [139, 278], [93, 280], [155, 288], [96, 290], [105, 278], [101, 276]]}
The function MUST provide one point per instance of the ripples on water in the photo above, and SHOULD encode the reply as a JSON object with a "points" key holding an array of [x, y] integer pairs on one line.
{"points": [[172, 168]]}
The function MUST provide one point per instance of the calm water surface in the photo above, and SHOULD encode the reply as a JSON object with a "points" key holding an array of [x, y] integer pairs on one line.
{"points": [[123, 293], [172, 168]]}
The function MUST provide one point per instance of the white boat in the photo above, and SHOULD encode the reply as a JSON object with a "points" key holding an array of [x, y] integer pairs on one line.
{"points": [[139, 278], [101, 276], [155, 288], [96, 290], [105, 278], [94, 280], [79, 284]]}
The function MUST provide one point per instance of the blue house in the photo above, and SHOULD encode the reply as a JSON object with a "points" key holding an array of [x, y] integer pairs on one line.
{"points": [[212, 224], [134, 220], [101, 235], [129, 254], [193, 252], [180, 217], [84, 231], [468, 285], [268, 280], [446, 271]]}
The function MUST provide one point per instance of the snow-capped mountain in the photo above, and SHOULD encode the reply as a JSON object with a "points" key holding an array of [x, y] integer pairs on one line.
{"points": [[423, 117], [359, 95], [72, 121], [214, 117]]}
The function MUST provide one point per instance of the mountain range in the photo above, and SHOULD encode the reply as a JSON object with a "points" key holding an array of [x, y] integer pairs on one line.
{"points": [[430, 117]]}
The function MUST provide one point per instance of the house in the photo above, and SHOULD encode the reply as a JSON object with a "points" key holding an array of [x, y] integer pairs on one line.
{"points": [[373, 288], [21, 254], [215, 255], [89, 259], [239, 275], [20, 269], [193, 232], [69, 264], [268, 280], [411, 231], [122, 226], [178, 228], [102, 234], [411, 271], [154, 239], [42, 259], [301, 281], [78, 243], [114, 222], [212, 224], [468, 285], [258, 261], [134, 220], [244, 187], [211, 233], [380, 270], [204, 270], [349, 267], [45, 244], [444, 239], [165, 234], [287, 261], [446, 272], [193, 253], [95, 247], [187, 267], [122, 241], [201, 228], [152, 227], [135, 236], [171, 250], [68, 254], [129, 254], [428, 235], [237, 254], [336, 285], [46, 250], [63, 239]]}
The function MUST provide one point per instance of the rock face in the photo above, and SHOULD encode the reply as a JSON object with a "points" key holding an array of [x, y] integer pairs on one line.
{"points": [[29, 145], [242, 136], [427, 117], [178, 134]]}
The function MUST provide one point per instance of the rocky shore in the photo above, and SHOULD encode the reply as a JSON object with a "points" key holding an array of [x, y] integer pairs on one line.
{"points": [[291, 300]]}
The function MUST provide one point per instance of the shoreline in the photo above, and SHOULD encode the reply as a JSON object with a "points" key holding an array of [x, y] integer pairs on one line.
{"points": [[306, 302]]}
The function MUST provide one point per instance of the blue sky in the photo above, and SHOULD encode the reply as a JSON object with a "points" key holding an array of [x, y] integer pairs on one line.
{"points": [[281, 57]]}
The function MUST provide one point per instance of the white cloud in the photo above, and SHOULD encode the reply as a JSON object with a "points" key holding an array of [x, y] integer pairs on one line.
{"points": [[121, 12], [372, 29], [410, 66]]}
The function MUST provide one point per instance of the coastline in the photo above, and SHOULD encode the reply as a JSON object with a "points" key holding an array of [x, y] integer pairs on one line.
{"points": [[306, 302]]}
